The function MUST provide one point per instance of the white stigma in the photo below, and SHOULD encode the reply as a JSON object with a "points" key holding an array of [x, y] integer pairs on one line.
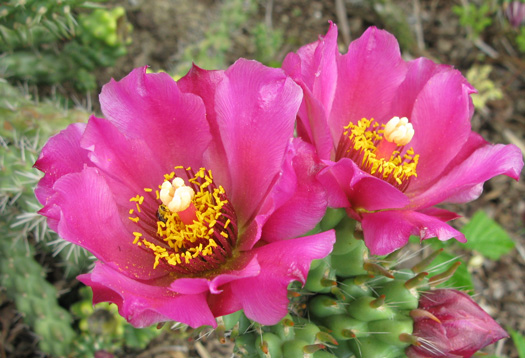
{"points": [[176, 195], [399, 131]]}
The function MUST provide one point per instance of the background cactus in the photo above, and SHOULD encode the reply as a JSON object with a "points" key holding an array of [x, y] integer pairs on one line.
{"points": [[24, 126], [52, 42]]}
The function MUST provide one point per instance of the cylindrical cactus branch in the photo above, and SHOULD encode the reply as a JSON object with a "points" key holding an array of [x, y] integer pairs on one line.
{"points": [[355, 305]]}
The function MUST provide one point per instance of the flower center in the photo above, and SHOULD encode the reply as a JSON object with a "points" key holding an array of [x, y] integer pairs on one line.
{"points": [[196, 224], [378, 149]]}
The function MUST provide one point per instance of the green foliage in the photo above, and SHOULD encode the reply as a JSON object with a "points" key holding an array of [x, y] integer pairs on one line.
{"points": [[519, 342], [478, 76], [210, 53], [473, 17], [102, 328], [56, 41], [267, 44], [461, 279], [485, 236], [520, 39], [395, 20]]}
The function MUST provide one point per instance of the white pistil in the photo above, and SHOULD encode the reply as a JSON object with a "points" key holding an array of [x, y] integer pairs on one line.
{"points": [[399, 131], [176, 195]]}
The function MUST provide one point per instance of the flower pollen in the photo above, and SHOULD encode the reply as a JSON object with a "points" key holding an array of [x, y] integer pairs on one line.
{"points": [[378, 149], [196, 224]]}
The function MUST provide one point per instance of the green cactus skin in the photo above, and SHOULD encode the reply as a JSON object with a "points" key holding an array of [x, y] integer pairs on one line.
{"points": [[269, 345], [293, 348], [306, 331], [331, 218], [317, 277], [47, 42], [24, 281], [356, 306], [324, 306]]}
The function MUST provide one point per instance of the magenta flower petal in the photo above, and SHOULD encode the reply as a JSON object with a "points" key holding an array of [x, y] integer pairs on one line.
{"points": [[367, 79], [441, 119], [387, 231], [464, 327], [204, 84], [144, 304], [171, 193], [306, 206], [84, 198], [362, 190], [61, 155], [125, 161], [255, 106], [401, 136], [462, 183], [264, 297], [441, 214], [215, 285], [150, 107], [317, 66], [306, 67]]}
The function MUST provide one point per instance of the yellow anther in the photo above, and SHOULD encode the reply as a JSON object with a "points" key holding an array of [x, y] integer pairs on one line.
{"points": [[138, 235], [367, 148], [399, 131], [182, 240]]}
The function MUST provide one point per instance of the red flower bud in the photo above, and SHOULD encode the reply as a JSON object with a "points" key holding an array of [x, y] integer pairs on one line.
{"points": [[463, 327]]}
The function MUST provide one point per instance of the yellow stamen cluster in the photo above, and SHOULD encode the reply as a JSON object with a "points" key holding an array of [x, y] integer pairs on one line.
{"points": [[185, 242], [365, 138]]}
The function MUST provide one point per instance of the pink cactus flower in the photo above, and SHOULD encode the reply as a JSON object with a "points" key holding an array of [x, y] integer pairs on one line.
{"points": [[395, 137], [191, 195], [456, 326]]}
